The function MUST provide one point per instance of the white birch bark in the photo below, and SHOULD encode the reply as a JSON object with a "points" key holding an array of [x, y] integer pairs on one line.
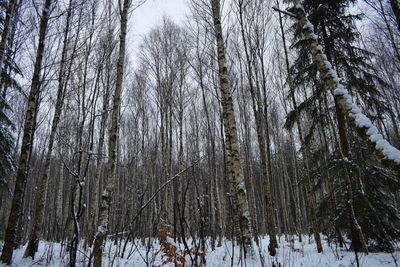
{"points": [[235, 175]]}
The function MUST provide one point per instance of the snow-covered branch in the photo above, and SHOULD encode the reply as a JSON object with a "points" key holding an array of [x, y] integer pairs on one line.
{"points": [[384, 152]]}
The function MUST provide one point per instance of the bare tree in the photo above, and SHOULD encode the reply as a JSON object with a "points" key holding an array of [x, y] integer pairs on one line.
{"points": [[113, 141], [42, 193], [26, 146]]}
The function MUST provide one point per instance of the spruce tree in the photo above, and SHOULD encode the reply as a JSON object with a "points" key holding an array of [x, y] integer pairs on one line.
{"points": [[6, 145], [8, 69], [371, 185]]}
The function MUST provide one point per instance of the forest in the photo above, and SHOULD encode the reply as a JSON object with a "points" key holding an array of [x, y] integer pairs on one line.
{"points": [[252, 133]]}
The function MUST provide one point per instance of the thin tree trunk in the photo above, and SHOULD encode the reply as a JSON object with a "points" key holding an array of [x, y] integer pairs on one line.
{"points": [[310, 198], [42, 193], [265, 168], [94, 205], [6, 31], [98, 181], [113, 142]]}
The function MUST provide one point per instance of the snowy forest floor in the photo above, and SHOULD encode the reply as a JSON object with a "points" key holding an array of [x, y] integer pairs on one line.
{"points": [[302, 254]]}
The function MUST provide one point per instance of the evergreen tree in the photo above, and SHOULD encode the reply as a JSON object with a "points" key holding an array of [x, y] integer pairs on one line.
{"points": [[374, 200], [336, 32], [7, 68], [6, 144]]}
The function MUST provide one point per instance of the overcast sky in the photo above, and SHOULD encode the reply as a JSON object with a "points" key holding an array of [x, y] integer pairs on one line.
{"points": [[150, 15]]}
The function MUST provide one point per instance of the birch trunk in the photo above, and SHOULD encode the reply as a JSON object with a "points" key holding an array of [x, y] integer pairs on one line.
{"points": [[42, 193], [235, 175], [97, 181], [21, 176], [113, 142]]}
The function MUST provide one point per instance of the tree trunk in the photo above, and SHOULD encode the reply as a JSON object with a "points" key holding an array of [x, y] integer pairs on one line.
{"points": [[235, 175], [310, 198], [113, 142], [356, 232], [265, 167], [6, 31], [22, 170], [42, 193]]}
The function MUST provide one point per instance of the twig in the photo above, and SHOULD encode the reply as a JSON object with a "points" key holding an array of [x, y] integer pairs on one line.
{"points": [[162, 187]]}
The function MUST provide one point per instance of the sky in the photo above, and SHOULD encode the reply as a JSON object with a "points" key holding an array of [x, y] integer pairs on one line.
{"points": [[150, 15]]}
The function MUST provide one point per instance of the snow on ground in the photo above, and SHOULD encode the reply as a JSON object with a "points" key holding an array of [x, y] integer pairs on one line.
{"points": [[300, 255]]}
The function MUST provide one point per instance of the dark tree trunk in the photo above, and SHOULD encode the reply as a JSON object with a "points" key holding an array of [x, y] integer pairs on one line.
{"points": [[22, 170]]}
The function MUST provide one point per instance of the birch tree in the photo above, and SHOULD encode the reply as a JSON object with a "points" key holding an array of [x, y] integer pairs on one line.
{"points": [[42, 193], [113, 140], [240, 205], [26, 146]]}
